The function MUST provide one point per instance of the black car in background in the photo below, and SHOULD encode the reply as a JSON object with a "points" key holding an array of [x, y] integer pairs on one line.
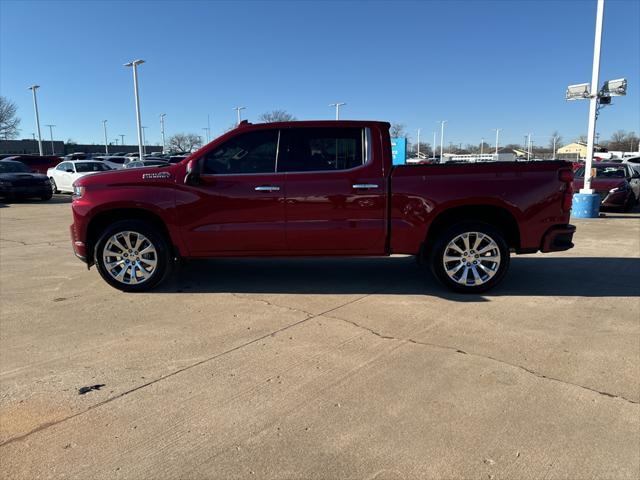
{"points": [[17, 181]]}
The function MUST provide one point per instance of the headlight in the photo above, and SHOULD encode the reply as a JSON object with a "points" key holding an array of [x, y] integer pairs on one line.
{"points": [[621, 188], [4, 183], [78, 191]]}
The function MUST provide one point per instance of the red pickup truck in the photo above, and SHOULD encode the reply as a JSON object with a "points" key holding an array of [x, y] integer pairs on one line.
{"points": [[319, 188]]}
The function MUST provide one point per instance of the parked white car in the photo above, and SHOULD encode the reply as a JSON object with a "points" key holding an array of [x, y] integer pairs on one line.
{"points": [[115, 162], [64, 174]]}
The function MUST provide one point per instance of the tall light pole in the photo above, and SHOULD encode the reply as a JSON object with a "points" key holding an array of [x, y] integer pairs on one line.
{"points": [[337, 105], [144, 141], [162, 115], [418, 143], [116, 140], [442, 122], [53, 150], [106, 142], [433, 146], [497, 139], [122, 138], [555, 139], [481, 146], [135, 64], [33, 89], [238, 110], [528, 147], [206, 129], [593, 101]]}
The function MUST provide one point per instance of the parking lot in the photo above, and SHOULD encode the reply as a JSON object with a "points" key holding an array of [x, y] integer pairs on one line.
{"points": [[318, 368]]}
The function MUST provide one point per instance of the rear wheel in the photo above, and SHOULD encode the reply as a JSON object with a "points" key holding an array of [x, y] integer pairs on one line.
{"points": [[470, 257], [132, 256]]}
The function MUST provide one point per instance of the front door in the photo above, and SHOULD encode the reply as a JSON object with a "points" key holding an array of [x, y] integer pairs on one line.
{"points": [[238, 205], [335, 193]]}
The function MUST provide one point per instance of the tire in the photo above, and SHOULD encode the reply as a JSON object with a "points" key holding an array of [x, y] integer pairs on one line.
{"points": [[630, 203], [47, 196], [54, 187], [128, 269], [491, 253]]}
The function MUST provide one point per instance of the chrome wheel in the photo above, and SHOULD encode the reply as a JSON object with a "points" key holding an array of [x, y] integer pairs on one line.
{"points": [[471, 258], [130, 257]]}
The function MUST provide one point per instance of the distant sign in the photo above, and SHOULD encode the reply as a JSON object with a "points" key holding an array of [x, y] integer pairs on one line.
{"points": [[399, 151]]}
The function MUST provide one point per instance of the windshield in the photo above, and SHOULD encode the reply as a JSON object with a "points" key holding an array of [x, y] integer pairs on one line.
{"points": [[13, 167], [604, 172], [91, 167]]}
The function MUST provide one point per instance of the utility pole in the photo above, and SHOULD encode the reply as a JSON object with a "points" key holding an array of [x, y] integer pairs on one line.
{"points": [[53, 150], [162, 115], [337, 105], [528, 147], [497, 139], [433, 146], [238, 110], [442, 122], [135, 64], [144, 141], [418, 154], [33, 89], [106, 143], [481, 146], [555, 139], [122, 137]]}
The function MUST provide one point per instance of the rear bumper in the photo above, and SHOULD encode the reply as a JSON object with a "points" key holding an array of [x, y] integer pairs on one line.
{"points": [[558, 238]]}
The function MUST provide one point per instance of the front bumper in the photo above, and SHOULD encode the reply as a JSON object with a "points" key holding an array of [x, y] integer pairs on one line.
{"points": [[79, 248], [558, 238], [25, 191]]}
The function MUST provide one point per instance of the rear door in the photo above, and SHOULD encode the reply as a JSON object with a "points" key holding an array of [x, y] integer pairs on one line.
{"points": [[335, 192], [238, 205]]}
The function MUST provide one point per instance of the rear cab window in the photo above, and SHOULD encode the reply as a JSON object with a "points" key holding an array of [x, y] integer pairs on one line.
{"points": [[322, 149]]}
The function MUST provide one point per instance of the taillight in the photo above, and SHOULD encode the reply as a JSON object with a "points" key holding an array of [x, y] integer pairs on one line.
{"points": [[566, 176]]}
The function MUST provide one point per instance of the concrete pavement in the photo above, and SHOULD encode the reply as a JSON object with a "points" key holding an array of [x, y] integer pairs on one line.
{"points": [[355, 368]]}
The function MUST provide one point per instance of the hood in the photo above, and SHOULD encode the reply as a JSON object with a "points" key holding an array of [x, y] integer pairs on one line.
{"points": [[600, 184], [12, 176]]}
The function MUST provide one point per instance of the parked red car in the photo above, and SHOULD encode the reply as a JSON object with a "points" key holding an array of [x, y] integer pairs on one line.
{"points": [[36, 163], [322, 188], [618, 184]]}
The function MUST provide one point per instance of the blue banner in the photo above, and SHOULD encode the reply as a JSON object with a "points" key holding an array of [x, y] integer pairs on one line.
{"points": [[399, 151]]}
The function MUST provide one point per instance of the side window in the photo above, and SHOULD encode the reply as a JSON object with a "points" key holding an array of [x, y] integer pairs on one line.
{"points": [[323, 149], [252, 152], [62, 167]]}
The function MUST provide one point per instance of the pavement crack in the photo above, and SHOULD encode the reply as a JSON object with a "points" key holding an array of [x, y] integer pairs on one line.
{"points": [[486, 357], [271, 304], [47, 425]]}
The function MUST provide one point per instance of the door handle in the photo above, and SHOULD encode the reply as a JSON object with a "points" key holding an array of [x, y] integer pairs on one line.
{"points": [[364, 186], [267, 188]]}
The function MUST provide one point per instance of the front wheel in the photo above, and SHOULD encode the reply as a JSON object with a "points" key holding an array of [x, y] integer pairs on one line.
{"points": [[54, 187], [132, 256], [470, 257]]}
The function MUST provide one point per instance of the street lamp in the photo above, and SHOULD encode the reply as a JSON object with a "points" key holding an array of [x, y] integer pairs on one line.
{"points": [[106, 142], [337, 105], [418, 154], [481, 147], [162, 115], [33, 89], [144, 140], [238, 110], [122, 138], [53, 150], [442, 122], [433, 146], [497, 139], [135, 64]]}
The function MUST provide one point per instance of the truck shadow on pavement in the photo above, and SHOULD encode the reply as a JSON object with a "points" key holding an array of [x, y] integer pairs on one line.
{"points": [[528, 276]]}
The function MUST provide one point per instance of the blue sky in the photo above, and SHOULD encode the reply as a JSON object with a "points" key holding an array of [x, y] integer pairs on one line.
{"points": [[478, 64]]}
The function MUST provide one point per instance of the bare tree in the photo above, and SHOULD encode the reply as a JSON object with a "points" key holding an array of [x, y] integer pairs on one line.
{"points": [[9, 121], [582, 139], [622, 141], [184, 142], [276, 116], [398, 130], [558, 139]]}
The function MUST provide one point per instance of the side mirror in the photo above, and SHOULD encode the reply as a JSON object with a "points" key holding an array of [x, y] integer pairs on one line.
{"points": [[192, 176], [69, 170]]}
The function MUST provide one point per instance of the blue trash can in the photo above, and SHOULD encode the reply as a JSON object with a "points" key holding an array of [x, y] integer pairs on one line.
{"points": [[585, 205]]}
